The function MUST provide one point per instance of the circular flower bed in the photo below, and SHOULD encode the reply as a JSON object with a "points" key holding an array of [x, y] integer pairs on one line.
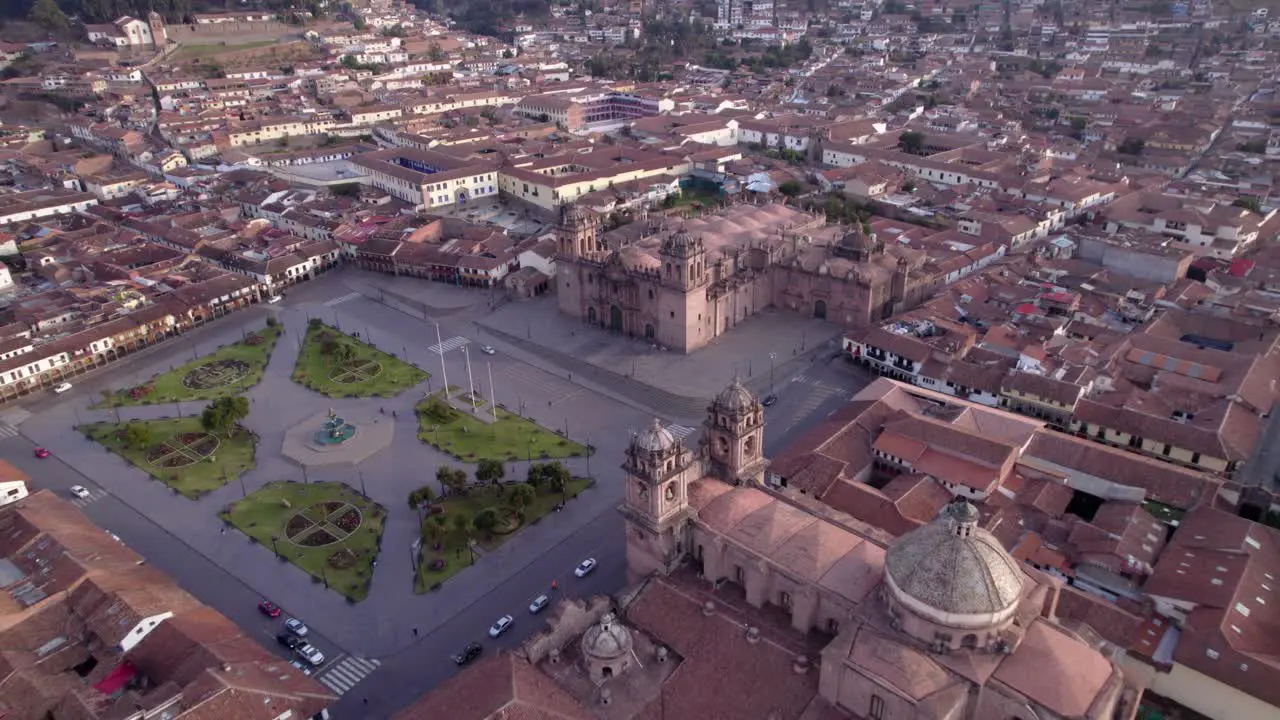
{"points": [[297, 525], [215, 374], [343, 559], [317, 538], [182, 450], [330, 507], [355, 371], [349, 521]]}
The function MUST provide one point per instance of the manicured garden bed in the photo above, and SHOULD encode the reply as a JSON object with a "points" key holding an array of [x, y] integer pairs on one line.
{"points": [[453, 543], [179, 453], [337, 365], [508, 439], [230, 370], [328, 530]]}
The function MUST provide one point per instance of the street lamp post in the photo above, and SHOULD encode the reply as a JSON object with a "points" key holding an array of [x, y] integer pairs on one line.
{"points": [[274, 546], [471, 385], [363, 492], [493, 391], [772, 358], [444, 372], [588, 454], [305, 480]]}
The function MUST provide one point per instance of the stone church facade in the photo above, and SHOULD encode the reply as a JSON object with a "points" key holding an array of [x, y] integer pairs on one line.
{"points": [[682, 286]]}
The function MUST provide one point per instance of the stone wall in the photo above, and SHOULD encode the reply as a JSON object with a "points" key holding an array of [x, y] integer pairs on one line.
{"points": [[567, 620], [197, 34]]}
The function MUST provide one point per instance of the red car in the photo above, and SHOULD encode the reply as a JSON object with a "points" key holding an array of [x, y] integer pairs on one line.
{"points": [[42, 453], [269, 609]]}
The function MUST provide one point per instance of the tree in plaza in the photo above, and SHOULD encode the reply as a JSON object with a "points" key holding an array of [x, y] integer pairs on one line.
{"points": [[486, 520], [48, 15], [490, 471], [557, 476], [520, 496], [421, 496], [462, 526], [452, 479], [912, 142], [224, 414], [432, 532], [137, 436]]}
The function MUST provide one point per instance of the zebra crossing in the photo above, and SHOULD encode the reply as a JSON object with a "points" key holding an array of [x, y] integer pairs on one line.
{"points": [[345, 674], [8, 431], [449, 345], [680, 432], [341, 299], [94, 496]]}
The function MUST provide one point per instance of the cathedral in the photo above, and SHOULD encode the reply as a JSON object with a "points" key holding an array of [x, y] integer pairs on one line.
{"points": [[682, 284], [743, 603]]}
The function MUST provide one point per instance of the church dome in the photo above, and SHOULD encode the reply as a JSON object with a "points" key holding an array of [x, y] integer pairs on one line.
{"points": [[573, 215], [655, 438], [680, 241], [954, 573], [607, 640], [735, 398]]}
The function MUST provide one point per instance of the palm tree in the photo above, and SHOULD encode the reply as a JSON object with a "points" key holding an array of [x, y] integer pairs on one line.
{"points": [[432, 532], [438, 522], [520, 496], [452, 479]]}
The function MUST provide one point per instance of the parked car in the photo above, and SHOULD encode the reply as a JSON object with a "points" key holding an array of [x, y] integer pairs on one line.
{"points": [[268, 608], [275, 299], [41, 453], [502, 625], [61, 388], [296, 626], [80, 491], [289, 640], [539, 604], [469, 653], [308, 652], [585, 568], [488, 350]]}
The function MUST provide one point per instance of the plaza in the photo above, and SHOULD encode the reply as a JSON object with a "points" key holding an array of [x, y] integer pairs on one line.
{"points": [[379, 602]]}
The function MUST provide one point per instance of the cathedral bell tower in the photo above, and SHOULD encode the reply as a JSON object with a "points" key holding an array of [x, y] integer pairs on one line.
{"points": [[735, 436], [578, 232], [655, 504], [684, 261]]}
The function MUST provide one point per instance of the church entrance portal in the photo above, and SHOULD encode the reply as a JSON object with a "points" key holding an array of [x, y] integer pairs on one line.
{"points": [[820, 309], [648, 331], [615, 318], [591, 315]]}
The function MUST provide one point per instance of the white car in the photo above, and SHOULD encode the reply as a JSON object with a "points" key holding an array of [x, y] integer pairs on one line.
{"points": [[487, 349], [539, 604], [61, 388], [308, 652], [504, 624], [585, 568], [296, 626], [274, 299], [80, 491]]}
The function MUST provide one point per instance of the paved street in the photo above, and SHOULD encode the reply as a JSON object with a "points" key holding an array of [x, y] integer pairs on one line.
{"points": [[371, 647]]}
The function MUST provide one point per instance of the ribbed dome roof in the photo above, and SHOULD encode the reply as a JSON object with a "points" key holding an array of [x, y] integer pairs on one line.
{"points": [[735, 398], [607, 640], [954, 567], [655, 438]]}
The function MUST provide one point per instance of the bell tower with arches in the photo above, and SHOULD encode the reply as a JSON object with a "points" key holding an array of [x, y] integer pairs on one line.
{"points": [[735, 436], [655, 503]]}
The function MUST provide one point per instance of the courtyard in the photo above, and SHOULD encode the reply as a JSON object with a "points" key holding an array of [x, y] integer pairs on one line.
{"points": [[449, 526], [338, 365], [327, 529], [179, 452], [229, 370], [507, 438]]}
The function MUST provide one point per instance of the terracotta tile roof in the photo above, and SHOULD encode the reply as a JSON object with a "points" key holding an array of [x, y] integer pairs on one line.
{"points": [[1067, 694], [713, 648], [1162, 482], [504, 683]]}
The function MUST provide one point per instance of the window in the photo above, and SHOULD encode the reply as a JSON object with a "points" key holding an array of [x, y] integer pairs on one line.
{"points": [[876, 711]]}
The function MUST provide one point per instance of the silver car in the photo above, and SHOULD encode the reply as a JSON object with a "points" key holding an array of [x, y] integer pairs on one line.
{"points": [[308, 652], [502, 625], [296, 626], [539, 604]]}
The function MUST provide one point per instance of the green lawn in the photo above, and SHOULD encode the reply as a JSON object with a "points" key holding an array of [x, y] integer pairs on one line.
{"points": [[193, 465], [453, 548], [510, 438], [369, 372], [192, 52], [230, 370], [1162, 512], [286, 509]]}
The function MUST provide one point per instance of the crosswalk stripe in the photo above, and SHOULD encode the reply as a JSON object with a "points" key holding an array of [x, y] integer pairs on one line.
{"points": [[345, 674], [681, 431], [8, 431], [341, 299], [367, 665], [334, 686], [449, 345]]}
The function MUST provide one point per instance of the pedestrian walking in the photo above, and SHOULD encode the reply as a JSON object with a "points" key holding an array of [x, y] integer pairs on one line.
{"points": [[555, 584], [415, 632]]}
